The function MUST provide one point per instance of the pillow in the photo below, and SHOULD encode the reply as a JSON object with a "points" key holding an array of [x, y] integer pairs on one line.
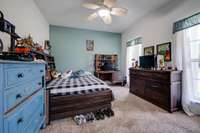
{"points": [[55, 74], [67, 74], [86, 73], [79, 73], [74, 75]]}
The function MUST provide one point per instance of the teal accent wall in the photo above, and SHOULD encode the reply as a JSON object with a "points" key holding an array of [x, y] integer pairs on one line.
{"points": [[69, 47]]}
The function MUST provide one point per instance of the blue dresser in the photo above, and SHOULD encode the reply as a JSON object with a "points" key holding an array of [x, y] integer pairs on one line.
{"points": [[22, 97]]}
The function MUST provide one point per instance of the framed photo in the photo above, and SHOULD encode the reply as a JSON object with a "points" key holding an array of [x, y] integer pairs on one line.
{"points": [[165, 50], [47, 45], [149, 50], [90, 45]]}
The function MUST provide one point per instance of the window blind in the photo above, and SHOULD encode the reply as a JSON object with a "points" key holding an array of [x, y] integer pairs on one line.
{"points": [[186, 23], [135, 41]]}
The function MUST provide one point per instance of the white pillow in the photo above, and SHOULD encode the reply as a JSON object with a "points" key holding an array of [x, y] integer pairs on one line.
{"points": [[67, 74], [87, 73]]}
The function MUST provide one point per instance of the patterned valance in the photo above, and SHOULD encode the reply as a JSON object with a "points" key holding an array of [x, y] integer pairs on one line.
{"points": [[186, 23], [134, 42]]}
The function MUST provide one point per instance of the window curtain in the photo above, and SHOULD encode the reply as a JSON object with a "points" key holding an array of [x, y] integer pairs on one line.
{"points": [[184, 41]]}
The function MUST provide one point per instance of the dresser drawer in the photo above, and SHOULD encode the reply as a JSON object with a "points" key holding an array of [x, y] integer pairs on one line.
{"points": [[160, 87], [38, 70], [15, 95], [138, 73], [137, 86], [162, 76], [18, 120], [36, 121], [19, 75], [157, 98]]}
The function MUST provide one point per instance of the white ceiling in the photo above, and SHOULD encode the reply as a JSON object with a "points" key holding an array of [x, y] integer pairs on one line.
{"points": [[70, 13]]}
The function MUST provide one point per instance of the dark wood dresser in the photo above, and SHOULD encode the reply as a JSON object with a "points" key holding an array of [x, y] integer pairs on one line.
{"points": [[162, 88]]}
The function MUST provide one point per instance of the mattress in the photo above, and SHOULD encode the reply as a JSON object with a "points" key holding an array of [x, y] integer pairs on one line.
{"points": [[82, 84]]}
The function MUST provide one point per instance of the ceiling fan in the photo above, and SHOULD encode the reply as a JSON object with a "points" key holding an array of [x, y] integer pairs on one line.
{"points": [[104, 9]]}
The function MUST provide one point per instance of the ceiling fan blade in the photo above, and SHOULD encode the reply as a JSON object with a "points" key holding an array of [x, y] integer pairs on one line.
{"points": [[119, 11], [109, 3], [107, 19], [91, 6], [92, 16]]}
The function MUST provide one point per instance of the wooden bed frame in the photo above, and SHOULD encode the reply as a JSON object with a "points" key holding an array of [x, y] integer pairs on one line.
{"points": [[59, 107]]}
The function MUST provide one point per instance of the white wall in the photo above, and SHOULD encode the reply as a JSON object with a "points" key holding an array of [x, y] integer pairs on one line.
{"points": [[27, 18], [156, 28]]}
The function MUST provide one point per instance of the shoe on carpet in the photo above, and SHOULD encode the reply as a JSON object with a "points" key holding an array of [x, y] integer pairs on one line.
{"points": [[97, 117], [89, 117], [101, 115], [79, 119], [111, 112], [92, 117], [107, 112]]}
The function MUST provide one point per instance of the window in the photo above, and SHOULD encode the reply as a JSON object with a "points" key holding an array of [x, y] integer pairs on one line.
{"points": [[194, 42]]}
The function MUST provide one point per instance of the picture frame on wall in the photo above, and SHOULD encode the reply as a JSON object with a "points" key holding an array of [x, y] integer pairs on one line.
{"points": [[149, 50], [47, 45], [165, 50], [90, 45]]}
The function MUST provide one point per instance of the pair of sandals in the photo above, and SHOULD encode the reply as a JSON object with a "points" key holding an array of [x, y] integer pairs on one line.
{"points": [[89, 117], [107, 112], [100, 115], [81, 119]]}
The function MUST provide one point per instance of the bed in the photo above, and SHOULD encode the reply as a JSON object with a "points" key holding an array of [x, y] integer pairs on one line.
{"points": [[71, 96]]}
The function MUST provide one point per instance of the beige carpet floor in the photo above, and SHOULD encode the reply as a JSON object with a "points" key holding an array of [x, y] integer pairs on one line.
{"points": [[132, 115]]}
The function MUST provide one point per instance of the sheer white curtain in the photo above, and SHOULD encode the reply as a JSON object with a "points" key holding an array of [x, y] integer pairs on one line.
{"points": [[187, 58], [133, 52]]}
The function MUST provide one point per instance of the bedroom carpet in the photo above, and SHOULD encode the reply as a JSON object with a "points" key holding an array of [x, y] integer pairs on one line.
{"points": [[132, 115]]}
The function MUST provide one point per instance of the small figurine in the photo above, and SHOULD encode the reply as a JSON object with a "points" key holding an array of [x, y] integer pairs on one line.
{"points": [[136, 64], [133, 62], [27, 42]]}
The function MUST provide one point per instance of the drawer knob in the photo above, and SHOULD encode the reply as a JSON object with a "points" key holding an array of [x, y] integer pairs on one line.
{"points": [[20, 75], [39, 83], [41, 71], [155, 86], [20, 120], [41, 114], [18, 96]]}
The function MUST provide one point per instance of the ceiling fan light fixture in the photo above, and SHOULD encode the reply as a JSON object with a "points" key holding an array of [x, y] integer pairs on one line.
{"points": [[105, 9], [104, 12]]}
